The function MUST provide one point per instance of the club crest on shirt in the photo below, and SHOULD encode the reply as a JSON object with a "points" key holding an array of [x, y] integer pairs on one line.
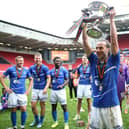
{"points": [[16, 81], [96, 82], [53, 81]]}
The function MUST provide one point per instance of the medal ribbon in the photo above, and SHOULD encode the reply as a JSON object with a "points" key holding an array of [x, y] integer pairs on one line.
{"points": [[101, 70], [19, 74], [57, 73], [38, 71], [101, 73], [84, 70]]}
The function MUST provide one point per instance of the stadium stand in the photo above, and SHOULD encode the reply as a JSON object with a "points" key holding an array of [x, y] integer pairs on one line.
{"points": [[124, 41], [9, 57], [3, 61]]}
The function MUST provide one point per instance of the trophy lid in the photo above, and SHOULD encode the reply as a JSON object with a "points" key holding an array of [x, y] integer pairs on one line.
{"points": [[98, 8]]}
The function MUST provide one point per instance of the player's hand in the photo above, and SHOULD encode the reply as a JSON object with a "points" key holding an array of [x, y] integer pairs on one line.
{"points": [[126, 89], [44, 91], [84, 25], [127, 86], [60, 86], [9, 90], [27, 92], [50, 86], [112, 13]]}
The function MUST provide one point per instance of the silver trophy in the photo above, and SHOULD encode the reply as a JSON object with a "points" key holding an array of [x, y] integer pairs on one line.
{"points": [[94, 15]]}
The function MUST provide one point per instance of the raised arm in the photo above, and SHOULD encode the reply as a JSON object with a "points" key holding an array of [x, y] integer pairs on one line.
{"points": [[87, 47], [113, 33]]}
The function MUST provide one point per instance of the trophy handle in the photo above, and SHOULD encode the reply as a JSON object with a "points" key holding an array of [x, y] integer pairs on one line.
{"points": [[94, 19], [108, 10], [75, 25], [79, 32]]}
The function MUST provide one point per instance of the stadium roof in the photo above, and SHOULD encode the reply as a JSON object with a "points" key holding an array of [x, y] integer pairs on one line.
{"points": [[23, 38], [19, 37]]}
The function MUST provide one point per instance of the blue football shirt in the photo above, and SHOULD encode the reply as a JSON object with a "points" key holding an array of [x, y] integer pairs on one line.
{"points": [[60, 79], [40, 78], [17, 84], [107, 95], [84, 75]]}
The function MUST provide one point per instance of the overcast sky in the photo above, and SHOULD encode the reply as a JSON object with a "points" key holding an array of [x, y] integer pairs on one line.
{"points": [[50, 16]]}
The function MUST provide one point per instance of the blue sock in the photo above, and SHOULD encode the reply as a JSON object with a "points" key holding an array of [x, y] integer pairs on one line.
{"points": [[36, 118], [66, 116], [13, 118], [54, 115], [23, 118], [41, 119]]}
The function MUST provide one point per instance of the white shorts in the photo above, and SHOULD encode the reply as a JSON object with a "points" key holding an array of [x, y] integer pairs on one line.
{"points": [[38, 95], [84, 91], [58, 96], [106, 118], [15, 100]]}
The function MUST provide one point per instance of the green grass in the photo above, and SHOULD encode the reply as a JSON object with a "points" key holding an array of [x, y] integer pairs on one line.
{"points": [[5, 115]]}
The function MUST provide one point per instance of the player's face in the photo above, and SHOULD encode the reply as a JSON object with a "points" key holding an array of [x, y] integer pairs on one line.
{"points": [[38, 59], [84, 60], [57, 63], [20, 62], [101, 50]]}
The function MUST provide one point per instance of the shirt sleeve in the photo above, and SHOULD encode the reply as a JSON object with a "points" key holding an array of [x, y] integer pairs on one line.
{"points": [[46, 70], [92, 59], [7, 72], [28, 74], [78, 71], [115, 59], [30, 70]]}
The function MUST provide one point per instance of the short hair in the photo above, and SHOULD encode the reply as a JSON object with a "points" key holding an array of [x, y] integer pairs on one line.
{"points": [[38, 54], [108, 44], [18, 57], [57, 57]]}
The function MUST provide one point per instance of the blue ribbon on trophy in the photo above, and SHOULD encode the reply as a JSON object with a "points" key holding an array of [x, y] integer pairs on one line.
{"points": [[94, 15]]}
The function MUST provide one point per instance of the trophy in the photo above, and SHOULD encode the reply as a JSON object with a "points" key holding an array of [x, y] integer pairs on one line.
{"points": [[94, 15]]}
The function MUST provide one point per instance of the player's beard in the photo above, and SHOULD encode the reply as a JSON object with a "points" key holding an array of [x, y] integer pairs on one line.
{"points": [[38, 64], [84, 63], [102, 57], [57, 66]]}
